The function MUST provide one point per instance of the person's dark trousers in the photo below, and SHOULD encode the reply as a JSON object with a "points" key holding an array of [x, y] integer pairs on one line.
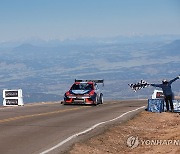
{"points": [[168, 100]]}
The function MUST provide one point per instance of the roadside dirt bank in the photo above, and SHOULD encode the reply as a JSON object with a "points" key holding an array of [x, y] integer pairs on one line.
{"points": [[148, 133]]}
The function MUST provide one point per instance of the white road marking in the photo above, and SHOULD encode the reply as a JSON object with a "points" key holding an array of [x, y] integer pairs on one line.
{"points": [[87, 130]]}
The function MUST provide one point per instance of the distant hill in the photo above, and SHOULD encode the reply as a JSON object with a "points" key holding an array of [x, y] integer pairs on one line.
{"points": [[172, 48]]}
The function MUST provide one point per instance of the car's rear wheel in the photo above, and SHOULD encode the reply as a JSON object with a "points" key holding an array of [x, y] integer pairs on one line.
{"points": [[95, 101]]}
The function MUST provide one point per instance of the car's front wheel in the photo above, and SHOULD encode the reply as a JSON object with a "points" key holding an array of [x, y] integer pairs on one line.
{"points": [[101, 99]]}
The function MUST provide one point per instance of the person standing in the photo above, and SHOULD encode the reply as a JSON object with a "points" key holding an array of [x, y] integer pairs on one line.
{"points": [[167, 91]]}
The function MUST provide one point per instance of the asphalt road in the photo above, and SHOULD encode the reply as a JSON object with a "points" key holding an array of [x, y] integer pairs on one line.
{"points": [[35, 128]]}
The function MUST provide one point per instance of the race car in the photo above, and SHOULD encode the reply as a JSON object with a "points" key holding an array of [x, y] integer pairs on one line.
{"points": [[84, 92]]}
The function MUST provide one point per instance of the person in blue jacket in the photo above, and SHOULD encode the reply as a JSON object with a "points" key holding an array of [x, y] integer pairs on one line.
{"points": [[167, 91]]}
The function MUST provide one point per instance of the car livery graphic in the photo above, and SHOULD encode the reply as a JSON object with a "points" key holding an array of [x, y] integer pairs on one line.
{"points": [[84, 92]]}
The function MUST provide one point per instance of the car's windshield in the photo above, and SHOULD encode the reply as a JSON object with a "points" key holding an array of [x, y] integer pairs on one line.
{"points": [[82, 86]]}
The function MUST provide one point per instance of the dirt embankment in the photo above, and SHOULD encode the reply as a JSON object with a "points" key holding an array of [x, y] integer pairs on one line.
{"points": [[146, 133]]}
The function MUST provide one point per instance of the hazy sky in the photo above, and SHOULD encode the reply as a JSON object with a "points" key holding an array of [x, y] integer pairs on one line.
{"points": [[63, 19]]}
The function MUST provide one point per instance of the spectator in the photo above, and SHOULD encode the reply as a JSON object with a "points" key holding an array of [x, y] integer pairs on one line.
{"points": [[168, 94]]}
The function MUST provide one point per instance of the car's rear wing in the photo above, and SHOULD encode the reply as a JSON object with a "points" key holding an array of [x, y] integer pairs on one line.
{"points": [[95, 81]]}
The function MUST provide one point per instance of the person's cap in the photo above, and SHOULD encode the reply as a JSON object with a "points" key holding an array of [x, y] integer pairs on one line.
{"points": [[164, 81]]}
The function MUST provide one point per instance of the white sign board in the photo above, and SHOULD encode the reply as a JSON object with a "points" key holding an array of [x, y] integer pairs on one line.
{"points": [[12, 93], [12, 97]]}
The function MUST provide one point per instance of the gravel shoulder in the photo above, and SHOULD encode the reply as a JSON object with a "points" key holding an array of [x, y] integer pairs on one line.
{"points": [[146, 133]]}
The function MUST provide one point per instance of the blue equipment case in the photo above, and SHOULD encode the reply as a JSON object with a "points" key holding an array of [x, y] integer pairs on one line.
{"points": [[176, 104], [156, 105]]}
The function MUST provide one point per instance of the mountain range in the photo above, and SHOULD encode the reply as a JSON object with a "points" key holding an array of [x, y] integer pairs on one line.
{"points": [[45, 71]]}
